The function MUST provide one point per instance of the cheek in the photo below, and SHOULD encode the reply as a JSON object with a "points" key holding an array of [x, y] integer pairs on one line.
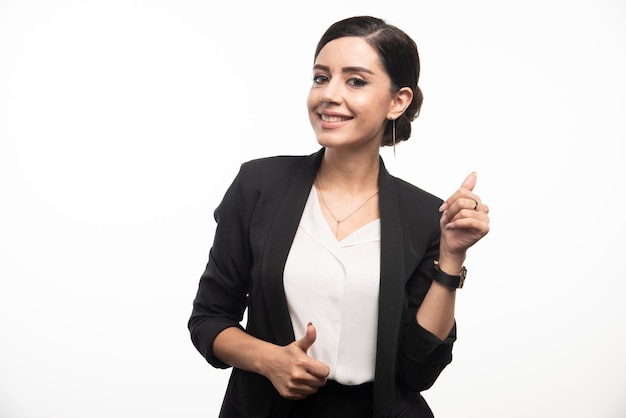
{"points": [[378, 108], [312, 100], [365, 107]]}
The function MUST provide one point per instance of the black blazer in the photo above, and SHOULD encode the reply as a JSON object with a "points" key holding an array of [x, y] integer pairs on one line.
{"points": [[256, 223]]}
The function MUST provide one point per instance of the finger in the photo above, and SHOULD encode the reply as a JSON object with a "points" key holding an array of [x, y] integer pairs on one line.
{"points": [[470, 181], [319, 370], [456, 204], [297, 391], [471, 201], [467, 186], [300, 391], [477, 227], [307, 341], [310, 381], [468, 219]]}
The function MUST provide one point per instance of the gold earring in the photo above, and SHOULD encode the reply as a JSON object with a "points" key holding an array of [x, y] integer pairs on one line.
{"points": [[393, 135]]}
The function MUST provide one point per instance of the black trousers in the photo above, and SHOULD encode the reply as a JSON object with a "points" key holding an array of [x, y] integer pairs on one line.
{"points": [[335, 400]]}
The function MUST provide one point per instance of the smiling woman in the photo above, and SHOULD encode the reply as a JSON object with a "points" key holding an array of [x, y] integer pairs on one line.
{"points": [[348, 274], [122, 123]]}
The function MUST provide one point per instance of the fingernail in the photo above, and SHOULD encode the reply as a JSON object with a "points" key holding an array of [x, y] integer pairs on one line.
{"points": [[443, 207], [448, 225]]}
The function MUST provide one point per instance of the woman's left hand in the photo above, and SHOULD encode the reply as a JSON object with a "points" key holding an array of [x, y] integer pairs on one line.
{"points": [[464, 221]]}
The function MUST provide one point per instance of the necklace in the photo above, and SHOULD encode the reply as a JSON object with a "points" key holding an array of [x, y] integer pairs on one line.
{"points": [[339, 221]]}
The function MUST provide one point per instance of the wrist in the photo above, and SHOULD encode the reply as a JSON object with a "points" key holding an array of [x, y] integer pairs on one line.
{"points": [[450, 265], [451, 262], [265, 357]]}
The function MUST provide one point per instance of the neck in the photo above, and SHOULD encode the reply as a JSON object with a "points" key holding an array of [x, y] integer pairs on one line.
{"points": [[350, 173]]}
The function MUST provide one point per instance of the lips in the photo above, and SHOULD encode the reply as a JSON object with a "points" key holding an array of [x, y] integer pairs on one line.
{"points": [[333, 118]]}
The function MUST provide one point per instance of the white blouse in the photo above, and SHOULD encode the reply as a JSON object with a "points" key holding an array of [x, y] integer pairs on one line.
{"points": [[335, 284]]}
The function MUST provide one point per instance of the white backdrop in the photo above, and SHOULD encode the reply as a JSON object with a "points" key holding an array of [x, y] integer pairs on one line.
{"points": [[116, 115]]}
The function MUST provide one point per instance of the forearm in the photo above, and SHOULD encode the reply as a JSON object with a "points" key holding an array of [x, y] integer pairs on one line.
{"points": [[241, 350]]}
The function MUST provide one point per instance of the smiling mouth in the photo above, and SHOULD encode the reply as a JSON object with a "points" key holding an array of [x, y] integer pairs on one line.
{"points": [[332, 118]]}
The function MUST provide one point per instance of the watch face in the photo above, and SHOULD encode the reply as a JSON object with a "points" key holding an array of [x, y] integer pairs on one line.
{"points": [[463, 274]]}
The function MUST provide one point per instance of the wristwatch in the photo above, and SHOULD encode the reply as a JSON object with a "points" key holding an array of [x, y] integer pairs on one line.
{"points": [[448, 279]]}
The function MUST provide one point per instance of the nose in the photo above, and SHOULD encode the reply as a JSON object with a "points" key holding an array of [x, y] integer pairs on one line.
{"points": [[331, 92]]}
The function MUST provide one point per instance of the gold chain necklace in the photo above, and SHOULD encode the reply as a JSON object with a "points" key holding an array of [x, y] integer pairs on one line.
{"points": [[339, 221]]}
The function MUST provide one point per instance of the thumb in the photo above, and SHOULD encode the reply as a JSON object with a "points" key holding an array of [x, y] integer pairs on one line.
{"points": [[470, 181], [307, 341]]}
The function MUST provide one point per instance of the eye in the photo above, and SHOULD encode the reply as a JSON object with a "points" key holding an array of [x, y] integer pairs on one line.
{"points": [[319, 79], [357, 82]]}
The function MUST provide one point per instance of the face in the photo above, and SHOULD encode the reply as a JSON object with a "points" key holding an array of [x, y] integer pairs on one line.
{"points": [[350, 99]]}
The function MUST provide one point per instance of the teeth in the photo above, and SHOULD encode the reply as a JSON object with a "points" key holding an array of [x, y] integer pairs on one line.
{"points": [[328, 118]]}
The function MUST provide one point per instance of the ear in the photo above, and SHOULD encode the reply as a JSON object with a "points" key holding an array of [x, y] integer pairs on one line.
{"points": [[399, 103]]}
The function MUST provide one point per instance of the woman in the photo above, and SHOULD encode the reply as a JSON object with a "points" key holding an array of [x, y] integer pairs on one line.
{"points": [[349, 274]]}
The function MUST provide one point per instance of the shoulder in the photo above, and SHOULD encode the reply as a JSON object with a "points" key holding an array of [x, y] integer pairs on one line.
{"points": [[273, 164], [412, 195], [277, 170]]}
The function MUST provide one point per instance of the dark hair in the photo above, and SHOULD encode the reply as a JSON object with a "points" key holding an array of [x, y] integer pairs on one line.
{"points": [[398, 53]]}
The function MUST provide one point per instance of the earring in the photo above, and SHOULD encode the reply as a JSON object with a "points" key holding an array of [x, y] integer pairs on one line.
{"points": [[393, 135]]}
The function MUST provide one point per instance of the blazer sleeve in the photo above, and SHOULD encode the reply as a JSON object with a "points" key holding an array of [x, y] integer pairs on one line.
{"points": [[422, 355], [221, 297]]}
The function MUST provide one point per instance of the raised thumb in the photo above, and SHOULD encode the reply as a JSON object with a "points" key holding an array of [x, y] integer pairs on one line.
{"points": [[309, 338], [470, 181]]}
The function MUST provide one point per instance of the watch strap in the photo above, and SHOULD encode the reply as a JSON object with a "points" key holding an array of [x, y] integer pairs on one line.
{"points": [[446, 279]]}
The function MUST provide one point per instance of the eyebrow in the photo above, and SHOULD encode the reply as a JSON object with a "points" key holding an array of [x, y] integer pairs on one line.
{"points": [[345, 69]]}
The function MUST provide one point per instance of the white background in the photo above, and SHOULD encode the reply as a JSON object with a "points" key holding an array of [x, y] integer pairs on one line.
{"points": [[123, 122]]}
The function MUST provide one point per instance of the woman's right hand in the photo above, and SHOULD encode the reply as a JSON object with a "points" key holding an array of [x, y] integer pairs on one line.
{"points": [[292, 372]]}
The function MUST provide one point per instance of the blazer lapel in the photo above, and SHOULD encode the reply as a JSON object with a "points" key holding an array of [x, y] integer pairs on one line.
{"points": [[278, 244], [391, 292]]}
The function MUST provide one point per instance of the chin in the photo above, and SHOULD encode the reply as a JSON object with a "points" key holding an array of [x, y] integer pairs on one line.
{"points": [[327, 142]]}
